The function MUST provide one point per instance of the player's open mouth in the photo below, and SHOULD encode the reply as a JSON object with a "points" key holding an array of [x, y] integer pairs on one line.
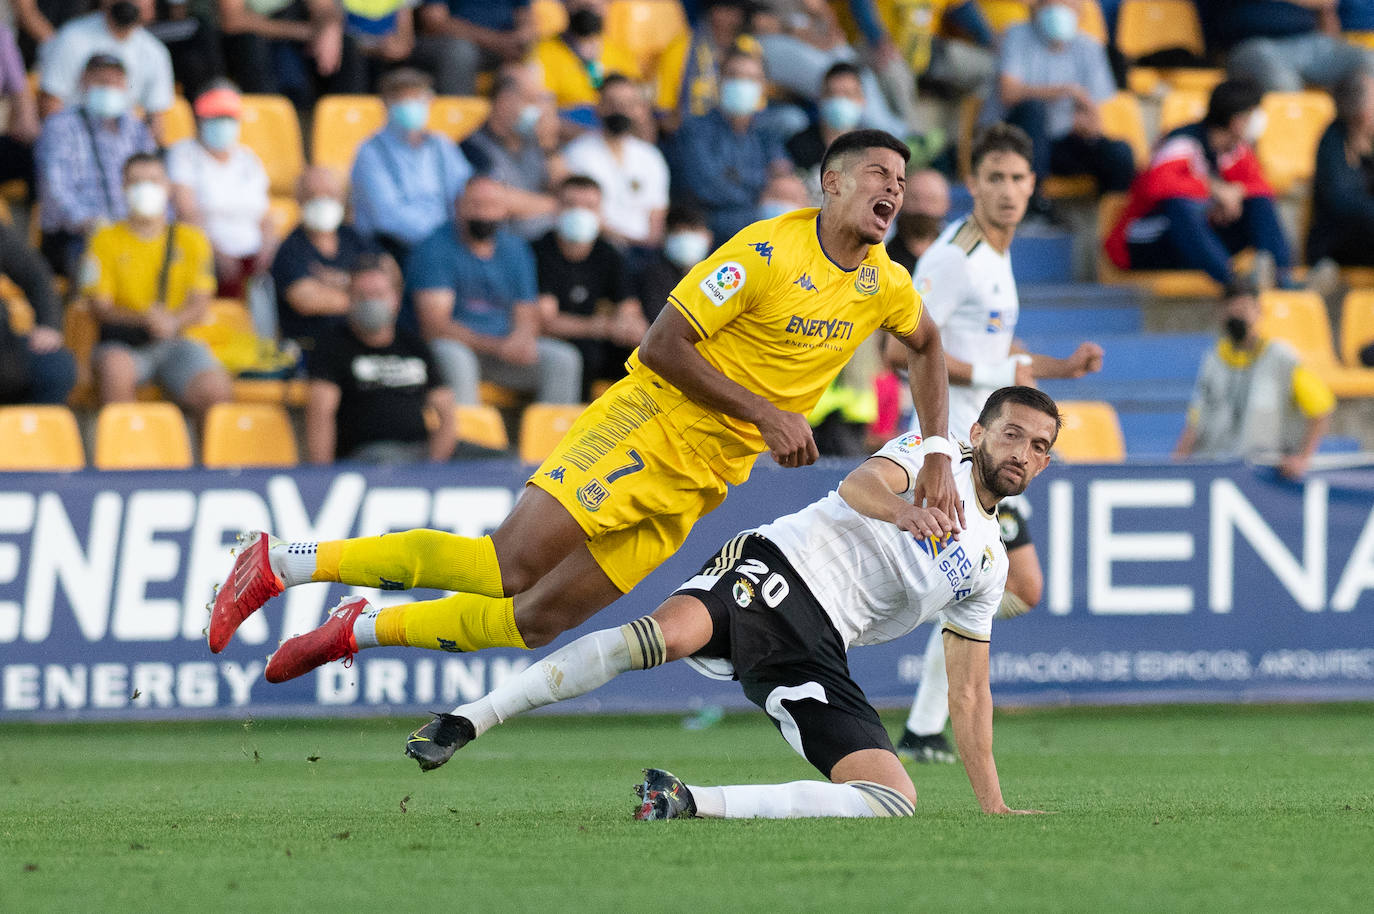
{"points": [[884, 210]]}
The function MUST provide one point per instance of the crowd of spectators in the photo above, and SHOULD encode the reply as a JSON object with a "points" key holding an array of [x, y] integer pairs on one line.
{"points": [[533, 254]]}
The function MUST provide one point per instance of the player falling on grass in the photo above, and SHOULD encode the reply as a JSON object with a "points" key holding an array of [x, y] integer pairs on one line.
{"points": [[966, 283], [754, 335], [784, 602]]}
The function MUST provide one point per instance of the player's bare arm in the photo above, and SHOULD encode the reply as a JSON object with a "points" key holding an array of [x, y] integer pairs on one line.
{"points": [[872, 489], [1086, 359], [970, 710], [927, 375], [669, 350]]}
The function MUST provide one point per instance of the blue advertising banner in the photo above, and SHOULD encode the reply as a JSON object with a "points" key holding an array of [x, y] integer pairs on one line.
{"points": [[1162, 583]]}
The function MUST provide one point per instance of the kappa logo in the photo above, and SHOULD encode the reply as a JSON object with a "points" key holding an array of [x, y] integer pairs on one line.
{"points": [[867, 280], [556, 474], [592, 495], [765, 250], [722, 284], [805, 282]]}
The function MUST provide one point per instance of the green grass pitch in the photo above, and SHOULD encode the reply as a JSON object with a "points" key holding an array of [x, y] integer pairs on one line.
{"points": [[1158, 809]]}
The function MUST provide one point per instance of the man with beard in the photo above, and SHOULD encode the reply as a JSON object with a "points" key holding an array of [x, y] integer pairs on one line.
{"points": [[778, 607]]}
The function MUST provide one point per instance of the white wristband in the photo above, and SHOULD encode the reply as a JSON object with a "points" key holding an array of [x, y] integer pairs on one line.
{"points": [[994, 374], [937, 445]]}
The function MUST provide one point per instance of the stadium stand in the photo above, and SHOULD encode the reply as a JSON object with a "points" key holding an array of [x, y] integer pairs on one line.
{"points": [[1357, 325], [647, 26], [40, 438], [141, 436], [270, 128], [542, 425], [1091, 433], [1300, 317], [482, 425], [248, 435], [342, 122], [1288, 148]]}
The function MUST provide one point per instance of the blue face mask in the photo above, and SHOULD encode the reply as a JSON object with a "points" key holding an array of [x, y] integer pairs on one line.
{"points": [[839, 112], [105, 101], [411, 114], [578, 225], [768, 209], [1059, 23], [219, 133], [739, 97]]}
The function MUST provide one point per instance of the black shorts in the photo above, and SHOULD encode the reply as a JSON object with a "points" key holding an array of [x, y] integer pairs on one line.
{"points": [[786, 653], [1015, 532]]}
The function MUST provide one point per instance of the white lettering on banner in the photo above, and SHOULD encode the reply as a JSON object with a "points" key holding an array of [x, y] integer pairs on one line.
{"points": [[241, 680], [386, 510], [472, 512], [197, 685], [1061, 547], [1064, 667], [336, 684], [462, 680], [1232, 513], [1106, 547], [424, 681], [109, 685], [16, 516], [86, 571], [153, 685], [148, 560], [386, 682], [1358, 575], [305, 605], [63, 687], [220, 516], [400, 682], [20, 687]]}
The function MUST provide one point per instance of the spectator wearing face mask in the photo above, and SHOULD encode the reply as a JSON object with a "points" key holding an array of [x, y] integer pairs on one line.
{"points": [[373, 385], [517, 146], [116, 30], [584, 290], [146, 280], [575, 64], [1203, 196], [686, 243], [782, 194], [723, 158], [406, 177], [79, 159], [311, 270], [631, 173], [220, 185], [841, 108]]}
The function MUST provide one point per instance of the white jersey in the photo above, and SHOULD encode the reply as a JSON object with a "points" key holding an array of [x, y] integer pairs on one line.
{"points": [[877, 582], [970, 293]]}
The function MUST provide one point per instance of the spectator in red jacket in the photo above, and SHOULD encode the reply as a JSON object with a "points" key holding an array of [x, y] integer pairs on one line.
{"points": [[1203, 196]]}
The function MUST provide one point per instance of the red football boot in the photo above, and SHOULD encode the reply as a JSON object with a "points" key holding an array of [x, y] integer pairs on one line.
{"points": [[250, 584], [331, 641]]}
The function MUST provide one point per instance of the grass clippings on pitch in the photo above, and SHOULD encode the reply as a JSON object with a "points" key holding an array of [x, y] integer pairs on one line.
{"points": [[1158, 809]]}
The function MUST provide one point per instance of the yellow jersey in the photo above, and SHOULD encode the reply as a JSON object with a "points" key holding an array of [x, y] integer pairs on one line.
{"points": [[780, 318], [124, 267], [574, 81]]}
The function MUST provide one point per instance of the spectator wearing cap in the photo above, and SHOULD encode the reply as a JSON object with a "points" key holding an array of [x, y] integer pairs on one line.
{"points": [[1203, 196], [470, 36], [79, 159], [296, 48], [406, 178], [576, 63], [16, 143], [220, 185], [115, 29]]}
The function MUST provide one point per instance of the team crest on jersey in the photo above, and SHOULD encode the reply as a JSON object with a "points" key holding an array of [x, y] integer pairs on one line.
{"points": [[994, 322], [592, 495], [743, 593], [1009, 524], [988, 560], [867, 280], [721, 285]]}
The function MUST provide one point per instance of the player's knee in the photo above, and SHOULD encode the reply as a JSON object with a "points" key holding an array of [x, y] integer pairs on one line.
{"points": [[887, 801]]}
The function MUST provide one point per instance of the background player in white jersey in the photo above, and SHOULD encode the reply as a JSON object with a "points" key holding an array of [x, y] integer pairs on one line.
{"points": [[779, 606], [966, 280]]}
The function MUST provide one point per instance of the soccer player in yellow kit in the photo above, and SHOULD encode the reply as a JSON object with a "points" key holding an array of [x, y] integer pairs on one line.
{"points": [[754, 335]]}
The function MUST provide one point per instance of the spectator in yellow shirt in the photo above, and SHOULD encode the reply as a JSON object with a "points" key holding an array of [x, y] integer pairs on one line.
{"points": [[147, 280], [576, 63]]}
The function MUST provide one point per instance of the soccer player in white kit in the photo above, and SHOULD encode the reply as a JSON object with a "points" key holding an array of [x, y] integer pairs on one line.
{"points": [[966, 280], [778, 607]]}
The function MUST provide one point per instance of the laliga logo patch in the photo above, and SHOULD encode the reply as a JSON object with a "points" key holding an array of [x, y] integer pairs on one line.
{"points": [[909, 441], [867, 280], [923, 285], [723, 283], [743, 592]]}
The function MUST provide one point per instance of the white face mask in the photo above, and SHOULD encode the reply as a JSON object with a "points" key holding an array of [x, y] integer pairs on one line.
{"points": [[686, 249], [146, 199], [322, 214], [578, 225], [1254, 128]]}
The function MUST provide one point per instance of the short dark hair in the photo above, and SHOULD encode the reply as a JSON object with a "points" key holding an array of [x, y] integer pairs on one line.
{"points": [[376, 262], [403, 79], [842, 68], [102, 60], [614, 79], [140, 158], [573, 182], [1230, 98], [1000, 138], [1025, 396], [858, 141], [682, 215]]}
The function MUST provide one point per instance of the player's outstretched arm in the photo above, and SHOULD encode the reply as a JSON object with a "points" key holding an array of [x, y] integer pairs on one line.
{"points": [[970, 710], [929, 380], [669, 350], [872, 489], [1086, 359]]}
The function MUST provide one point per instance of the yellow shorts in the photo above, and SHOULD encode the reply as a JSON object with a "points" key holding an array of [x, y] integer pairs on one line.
{"points": [[624, 474]]}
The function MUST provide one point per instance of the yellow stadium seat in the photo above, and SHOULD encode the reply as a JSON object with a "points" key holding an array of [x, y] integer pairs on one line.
{"points": [[482, 425], [141, 436], [342, 122], [1298, 316], [286, 214], [178, 123], [1091, 22], [20, 313], [1182, 106], [542, 426], [646, 26], [1288, 149], [40, 438], [458, 116], [550, 17], [270, 128], [1363, 39], [270, 390], [1091, 433], [1123, 120], [248, 435], [1160, 283], [81, 333], [1357, 325], [1003, 13], [1146, 26]]}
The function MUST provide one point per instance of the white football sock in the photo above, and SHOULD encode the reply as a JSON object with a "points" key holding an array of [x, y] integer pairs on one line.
{"points": [[930, 708], [365, 628], [575, 669], [797, 800], [294, 563]]}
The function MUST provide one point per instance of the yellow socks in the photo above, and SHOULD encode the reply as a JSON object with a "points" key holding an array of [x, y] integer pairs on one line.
{"points": [[462, 622], [413, 558]]}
